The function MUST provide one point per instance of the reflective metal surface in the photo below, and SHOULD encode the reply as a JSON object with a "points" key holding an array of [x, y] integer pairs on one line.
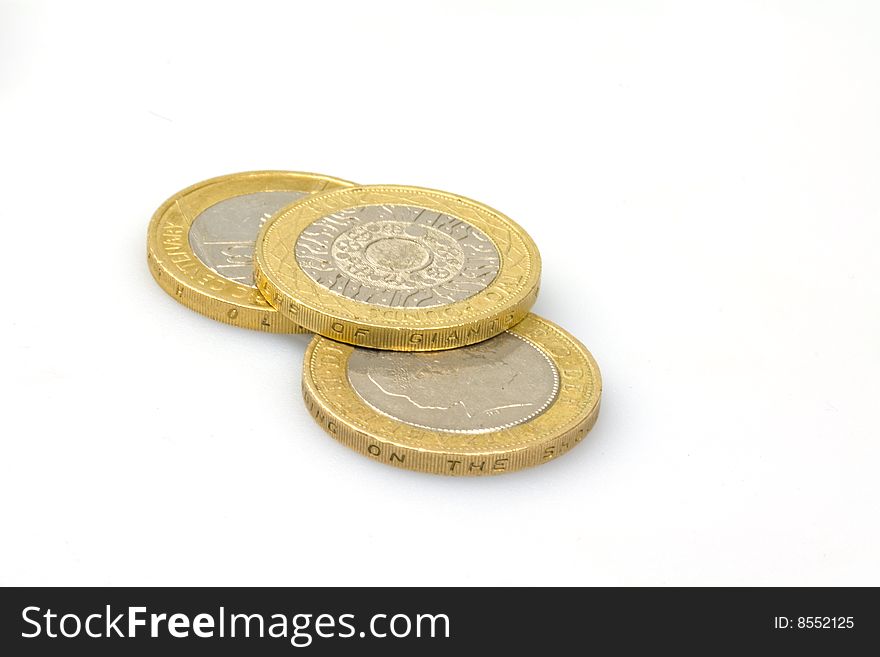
{"points": [[398, 256], [223, 236], [488, 386]]}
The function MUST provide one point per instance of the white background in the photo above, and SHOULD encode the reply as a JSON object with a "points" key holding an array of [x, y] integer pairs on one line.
{"points": [[701, 179]]}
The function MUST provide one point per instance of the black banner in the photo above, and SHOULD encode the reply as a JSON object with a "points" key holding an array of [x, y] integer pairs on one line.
{"points": [[114, 621]]}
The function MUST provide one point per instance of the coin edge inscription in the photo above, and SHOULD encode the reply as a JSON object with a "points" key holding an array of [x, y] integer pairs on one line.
{"points": [[188, 281], [343, 415]]}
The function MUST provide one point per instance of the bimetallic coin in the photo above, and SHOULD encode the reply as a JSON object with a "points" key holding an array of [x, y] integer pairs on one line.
{"points": [[519, 399], [200, 244], [398, 268]]}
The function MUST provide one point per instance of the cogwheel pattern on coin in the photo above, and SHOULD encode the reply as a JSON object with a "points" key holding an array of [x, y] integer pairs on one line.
{"points": [[397, 256]]}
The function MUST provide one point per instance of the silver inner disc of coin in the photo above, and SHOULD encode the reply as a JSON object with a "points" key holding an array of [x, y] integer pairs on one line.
{"points": [[399, 256], [224, 235], [492, 385]]}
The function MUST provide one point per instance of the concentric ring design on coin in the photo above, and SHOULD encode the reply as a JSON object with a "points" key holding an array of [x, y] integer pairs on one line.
{"points": [[397, 256], [399, 268], [200, 243], [519, 399]]}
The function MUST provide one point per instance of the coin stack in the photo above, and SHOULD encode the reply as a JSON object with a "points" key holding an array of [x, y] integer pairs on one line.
{"points": [[425, 355]]}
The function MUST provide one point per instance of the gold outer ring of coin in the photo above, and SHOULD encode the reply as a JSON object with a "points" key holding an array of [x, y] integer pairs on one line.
{"points": [[342, 413], [187, 279], [502, 304]]}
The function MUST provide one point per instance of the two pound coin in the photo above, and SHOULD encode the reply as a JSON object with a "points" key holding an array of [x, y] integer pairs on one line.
{"points": [[397, 268], [200, 243], [519, 399]]}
